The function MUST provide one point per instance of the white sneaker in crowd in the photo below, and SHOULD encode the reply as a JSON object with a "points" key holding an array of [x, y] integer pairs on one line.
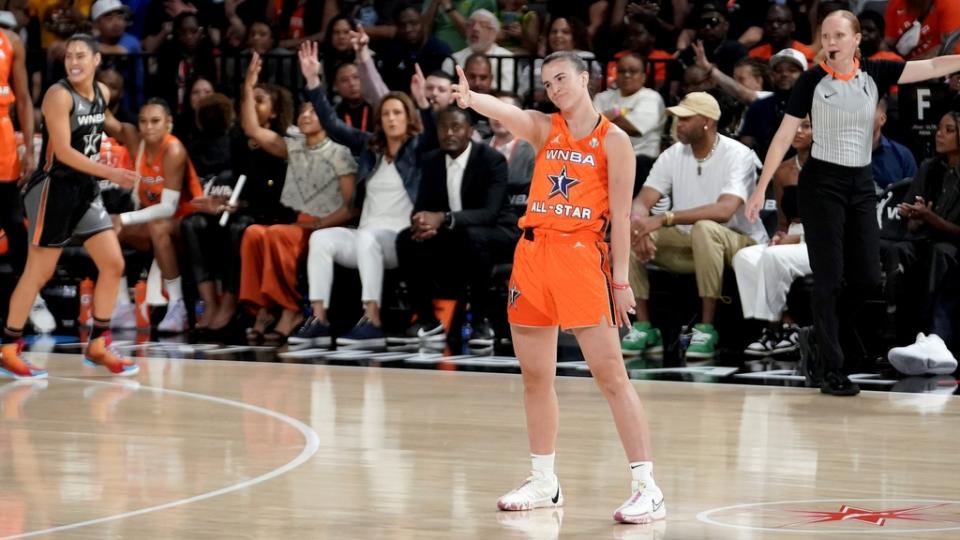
{"points": [[539, 491], [175, 321], [928, 355], [124, 317], [41, 318]]}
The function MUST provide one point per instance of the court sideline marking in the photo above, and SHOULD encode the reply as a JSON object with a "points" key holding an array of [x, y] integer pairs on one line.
{"points": [[311, 439]]}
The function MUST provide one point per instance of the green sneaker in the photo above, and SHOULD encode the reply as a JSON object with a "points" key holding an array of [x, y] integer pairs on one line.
{"points": [[642, 338], [703, 343]]}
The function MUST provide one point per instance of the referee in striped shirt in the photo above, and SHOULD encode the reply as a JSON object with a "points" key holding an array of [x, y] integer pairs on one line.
{"points": [[836, 190]]}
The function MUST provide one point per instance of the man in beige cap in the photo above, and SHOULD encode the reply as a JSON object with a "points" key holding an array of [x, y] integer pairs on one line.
{"points": [[708, 177]]}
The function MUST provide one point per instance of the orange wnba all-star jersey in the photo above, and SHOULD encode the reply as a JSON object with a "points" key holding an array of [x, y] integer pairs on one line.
{"points": [[9, 159], [569, 191], [150, 187]]}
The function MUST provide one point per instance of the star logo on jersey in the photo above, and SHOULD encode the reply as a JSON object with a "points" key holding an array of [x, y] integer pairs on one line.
{"points": [[561, 184], [91, 144], [514, 294]]}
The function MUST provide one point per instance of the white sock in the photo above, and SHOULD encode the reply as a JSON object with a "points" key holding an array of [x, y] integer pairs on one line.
{"points": [[123, 292], [174, 289], [642, 471], [543, 464]]}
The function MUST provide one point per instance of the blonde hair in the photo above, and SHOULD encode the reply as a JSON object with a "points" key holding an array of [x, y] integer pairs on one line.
{"points": [[854, 25]]}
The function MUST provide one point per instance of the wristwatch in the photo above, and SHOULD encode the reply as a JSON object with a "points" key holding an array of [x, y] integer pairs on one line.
{"points": [[448, 220]]}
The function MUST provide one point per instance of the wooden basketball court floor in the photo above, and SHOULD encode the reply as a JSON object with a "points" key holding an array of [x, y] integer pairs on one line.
{"points": [[205, 449]]}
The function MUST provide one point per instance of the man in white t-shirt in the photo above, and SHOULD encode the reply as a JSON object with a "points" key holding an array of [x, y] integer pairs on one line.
{"points": [[709, 178], [482, 30]]}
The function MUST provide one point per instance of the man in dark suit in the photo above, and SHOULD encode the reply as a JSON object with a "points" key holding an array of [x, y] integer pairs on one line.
{"points": [[457, 231]]}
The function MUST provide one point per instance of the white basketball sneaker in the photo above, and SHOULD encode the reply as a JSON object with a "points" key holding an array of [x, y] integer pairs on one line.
{"points": [[644, 506], [539, 491], [928, 355], [175, 321]]}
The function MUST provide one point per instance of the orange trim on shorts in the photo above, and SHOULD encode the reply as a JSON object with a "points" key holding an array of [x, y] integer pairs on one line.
{"points": [[38, 230], [607, 285]]}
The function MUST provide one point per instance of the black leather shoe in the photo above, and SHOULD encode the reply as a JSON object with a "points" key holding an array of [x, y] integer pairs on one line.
{"points": [[810, 366], [838, 384]]}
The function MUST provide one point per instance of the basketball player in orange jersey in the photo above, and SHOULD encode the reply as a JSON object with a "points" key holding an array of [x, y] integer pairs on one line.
{"points": [[14, 89], [63, 203], [168, 182], [582, 185]]}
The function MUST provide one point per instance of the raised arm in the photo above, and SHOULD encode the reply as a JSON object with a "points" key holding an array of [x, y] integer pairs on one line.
{"points": [[21, 91], [267, 139], [726, 83], [923, 70], [531, 126], [336, 129], [371, 83], [778, 148]]}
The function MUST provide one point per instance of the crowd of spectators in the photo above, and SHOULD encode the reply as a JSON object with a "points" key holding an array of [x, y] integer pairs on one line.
{"points": [[338, 113]]}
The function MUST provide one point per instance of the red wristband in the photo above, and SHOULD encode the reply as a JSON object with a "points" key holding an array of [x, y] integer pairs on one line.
{"points": [[619, 286]]}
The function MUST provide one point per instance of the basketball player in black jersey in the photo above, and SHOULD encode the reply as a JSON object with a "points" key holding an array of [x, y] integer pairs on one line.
{"points": [[63, 203]]}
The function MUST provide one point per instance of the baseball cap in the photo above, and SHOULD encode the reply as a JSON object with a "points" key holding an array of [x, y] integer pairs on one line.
{"points": [[696, 103], [793, 55], [102, 7]]}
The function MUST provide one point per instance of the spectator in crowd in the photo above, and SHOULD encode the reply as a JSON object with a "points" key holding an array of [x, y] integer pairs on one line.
{"points": [[337, 47], [116, 45], [764, 115], [891, 161], [187, 56], [482, 30], [320, 183], [661, 19], [520, 157], [439, 90], [746, 85], [447, 19], [712, 28], [640, 41], [187, 124], [388, 180], [932, 210], [778, 32], [570, 34], [479, 74], [159, 24], [352, 109], [411, 45], [709, 177], [209, 150], [115, 83], [917, 28], [278, 62], [167, 184], [873, 27], [214, 251], [637, 110], [455, 236], [593, 13], [766, 272], [300, 20], [520, 27]]}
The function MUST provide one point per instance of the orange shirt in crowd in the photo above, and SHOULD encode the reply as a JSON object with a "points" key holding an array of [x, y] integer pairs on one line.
{"points": [[659, 68], [765, 51], [152, 178], [943, 18]]}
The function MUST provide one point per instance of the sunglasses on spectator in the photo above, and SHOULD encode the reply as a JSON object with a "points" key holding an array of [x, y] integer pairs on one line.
{"points": [[710, 22]]}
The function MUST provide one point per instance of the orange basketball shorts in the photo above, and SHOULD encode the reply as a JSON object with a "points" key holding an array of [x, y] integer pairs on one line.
{"points": [[9, 159], [561, 279]]}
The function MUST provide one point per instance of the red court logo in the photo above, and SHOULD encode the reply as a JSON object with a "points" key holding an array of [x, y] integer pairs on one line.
{"points": [[840, 516]]}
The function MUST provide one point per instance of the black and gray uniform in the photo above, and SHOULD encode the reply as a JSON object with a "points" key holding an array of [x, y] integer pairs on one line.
{"points": [[838, 203], [63, 204]]}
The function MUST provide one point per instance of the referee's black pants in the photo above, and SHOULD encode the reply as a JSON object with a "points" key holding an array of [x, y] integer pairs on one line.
{"points": [[838, 206]]}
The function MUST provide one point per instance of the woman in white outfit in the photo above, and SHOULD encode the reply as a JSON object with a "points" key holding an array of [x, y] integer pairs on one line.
{"points": [[388, 178], [765, 273]]}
